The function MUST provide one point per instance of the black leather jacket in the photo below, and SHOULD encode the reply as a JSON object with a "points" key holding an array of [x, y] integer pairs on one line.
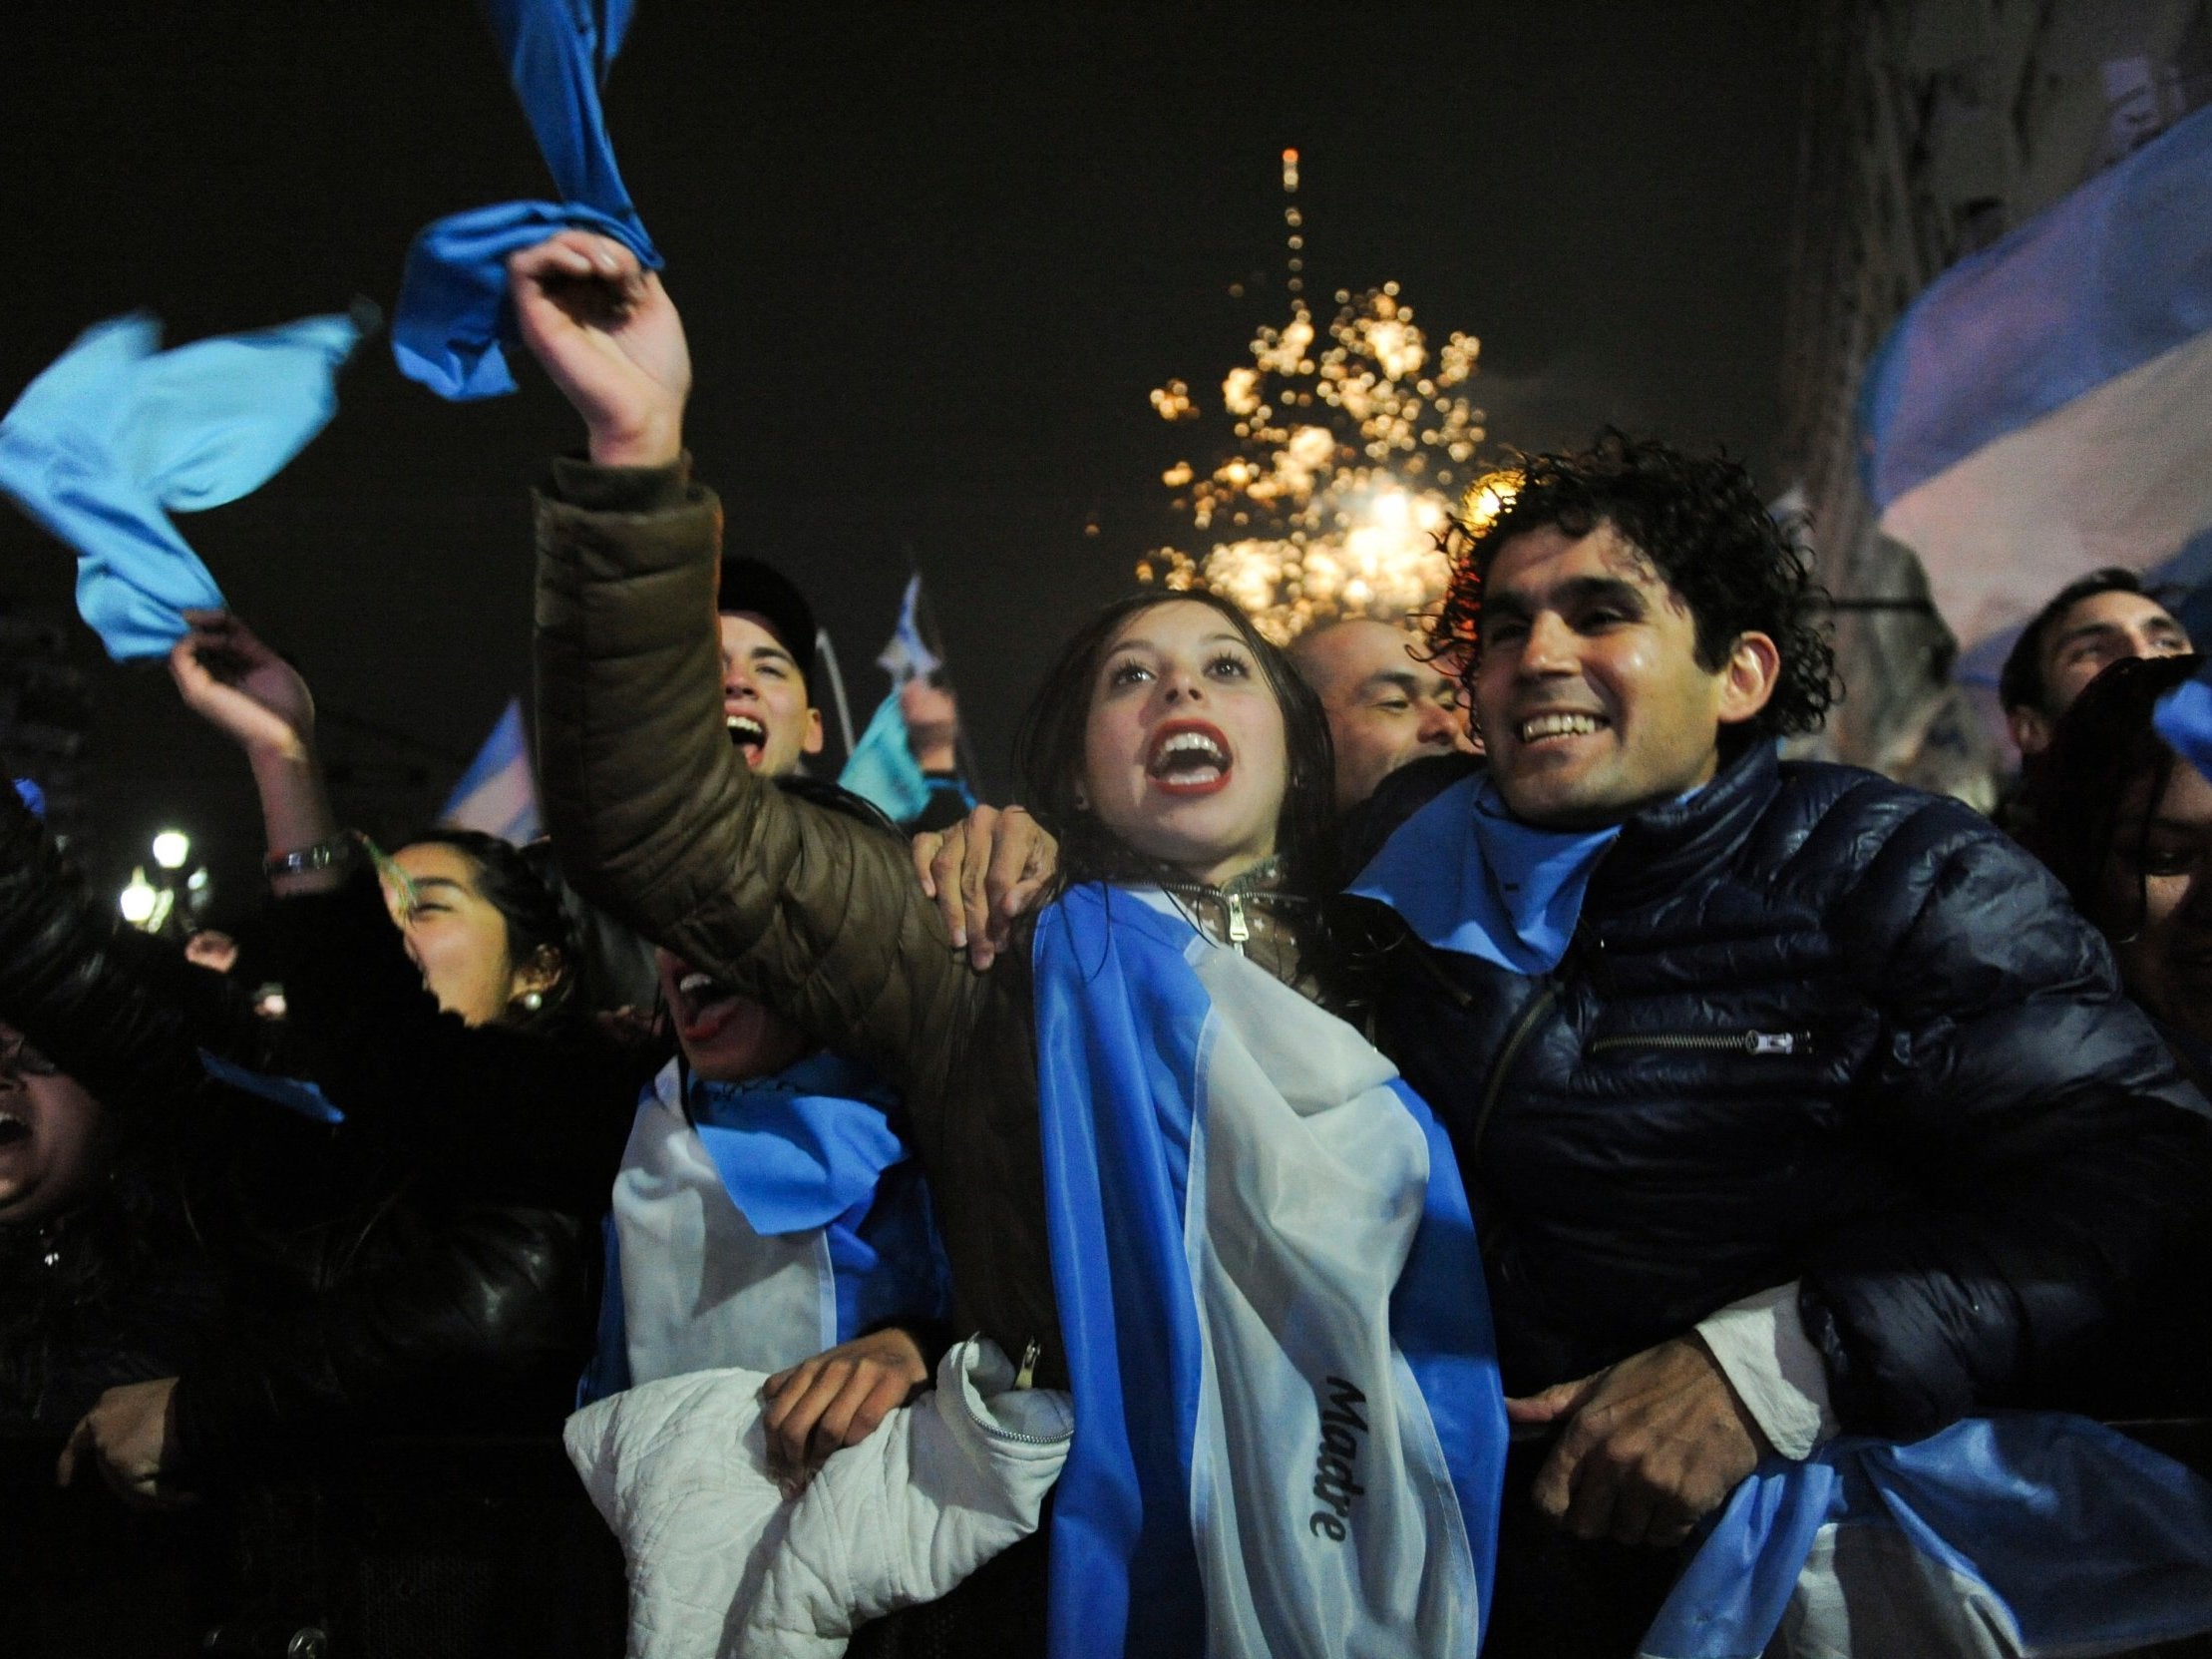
{"points": [[1813, 1027], [361, 1289]]}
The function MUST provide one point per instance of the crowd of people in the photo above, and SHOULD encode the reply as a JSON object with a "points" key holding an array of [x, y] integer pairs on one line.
{"points": [[1440, 1106]]}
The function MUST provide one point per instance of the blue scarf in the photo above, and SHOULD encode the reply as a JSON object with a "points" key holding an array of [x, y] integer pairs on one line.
{"points": [[811, 1147], [117, 434], [1468, 876], [453, 315]]}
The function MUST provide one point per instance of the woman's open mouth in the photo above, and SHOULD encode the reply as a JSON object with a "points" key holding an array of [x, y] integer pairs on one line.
{"points": [[13, 1130], [1188, 757]]}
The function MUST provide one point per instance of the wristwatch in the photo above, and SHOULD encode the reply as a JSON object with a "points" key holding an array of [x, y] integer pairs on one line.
{"points": [[337, 852]]}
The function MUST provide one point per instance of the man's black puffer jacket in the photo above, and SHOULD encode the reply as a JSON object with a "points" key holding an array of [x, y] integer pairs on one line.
{"points": [[1813, 1027]]}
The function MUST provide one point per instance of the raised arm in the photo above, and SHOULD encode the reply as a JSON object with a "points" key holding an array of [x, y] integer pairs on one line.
{"points": [[536, 1116], [656, 816]]}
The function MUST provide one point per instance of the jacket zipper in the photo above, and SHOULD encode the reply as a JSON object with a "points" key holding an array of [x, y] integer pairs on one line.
{"points": [[998, 1431], [1742, 1042], [1539, 1006], [1238, 929]]}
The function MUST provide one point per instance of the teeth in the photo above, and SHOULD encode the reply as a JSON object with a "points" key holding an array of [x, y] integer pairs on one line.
{"points": [[746, 729], [1558, 725], [1192, 742], [692, 983]]}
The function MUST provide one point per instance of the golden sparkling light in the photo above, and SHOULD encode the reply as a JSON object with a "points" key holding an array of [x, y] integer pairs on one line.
{"points": [[1345, 443]]}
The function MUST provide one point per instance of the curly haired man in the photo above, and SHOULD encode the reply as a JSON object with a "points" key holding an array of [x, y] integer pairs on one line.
{"points": [[1791, 1100]]}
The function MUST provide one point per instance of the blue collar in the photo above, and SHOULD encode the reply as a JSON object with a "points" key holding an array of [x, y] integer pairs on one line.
{"points": [[1468, 876], [798, 1149]]}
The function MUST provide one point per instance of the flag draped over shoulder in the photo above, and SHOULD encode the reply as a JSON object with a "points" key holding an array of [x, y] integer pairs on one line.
{"points": [[453, 314], [1289, 1434], [2029, 1535], [497, 795], [117, 434], [2038, 412]]}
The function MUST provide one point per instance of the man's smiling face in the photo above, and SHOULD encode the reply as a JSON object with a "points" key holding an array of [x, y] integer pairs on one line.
{"points": [[763, 697], [1590, 696]]}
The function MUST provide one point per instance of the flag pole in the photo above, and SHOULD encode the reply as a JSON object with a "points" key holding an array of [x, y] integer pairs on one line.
{"points": [[824, 649]]}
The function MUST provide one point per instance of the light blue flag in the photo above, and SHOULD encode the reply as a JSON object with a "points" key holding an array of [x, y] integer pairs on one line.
{"points": [[908, 656], [2038, 412], [498, 793], [118, 434], [882, 769], [453, 318], [2027, 1535], [1289, 1434]]}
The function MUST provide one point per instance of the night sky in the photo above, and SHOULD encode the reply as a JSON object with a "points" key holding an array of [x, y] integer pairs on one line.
{"points": [[932, 260]]}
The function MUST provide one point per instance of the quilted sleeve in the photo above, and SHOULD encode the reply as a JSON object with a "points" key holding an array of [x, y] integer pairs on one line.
{"points": [[2056, 1157]]}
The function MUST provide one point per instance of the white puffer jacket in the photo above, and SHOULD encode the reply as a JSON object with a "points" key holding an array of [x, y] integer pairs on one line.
{"points": [[721, 1564]]}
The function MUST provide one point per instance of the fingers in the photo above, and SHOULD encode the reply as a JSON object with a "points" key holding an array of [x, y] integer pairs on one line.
{"points": [[1016, 872], [1561, 1399], [576, 256], [789, 1422], [81, 1441], [871, 1395], [923, 849], [975, 893]]}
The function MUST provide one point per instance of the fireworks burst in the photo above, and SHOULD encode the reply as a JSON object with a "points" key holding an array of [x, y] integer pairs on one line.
{"points": [[1345, 446]]}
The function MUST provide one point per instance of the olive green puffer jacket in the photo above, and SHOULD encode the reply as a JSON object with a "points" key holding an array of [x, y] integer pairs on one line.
{"points": [[659, 820]]}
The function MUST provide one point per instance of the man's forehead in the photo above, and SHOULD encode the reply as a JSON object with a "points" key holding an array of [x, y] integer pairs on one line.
{"points": [[750, 631], [1535, 561], [2115, 607]]}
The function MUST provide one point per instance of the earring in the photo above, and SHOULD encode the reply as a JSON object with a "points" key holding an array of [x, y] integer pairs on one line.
{"points": [[533, 1000]]}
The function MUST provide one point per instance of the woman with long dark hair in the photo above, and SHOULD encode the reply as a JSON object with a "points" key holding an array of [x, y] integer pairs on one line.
{"points": [[1169, 1180]]}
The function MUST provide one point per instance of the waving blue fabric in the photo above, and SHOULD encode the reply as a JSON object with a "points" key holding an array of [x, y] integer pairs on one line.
{"points": [[1470, 877], [882, 769], [118, 433], [1289, 1435], [2029, 1533], [2184, 719], [453, 315]]}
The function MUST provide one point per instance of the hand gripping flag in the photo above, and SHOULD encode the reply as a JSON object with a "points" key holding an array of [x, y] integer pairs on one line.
{"points": [[1289, 1435], [118, 434], [2026, 1535], [2039, 410], [453, 314]]}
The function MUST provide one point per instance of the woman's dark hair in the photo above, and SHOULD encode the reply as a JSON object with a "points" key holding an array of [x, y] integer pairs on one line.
{"points": [[1699, 520], [1049, 755], [2079, 790], [536, 922]]}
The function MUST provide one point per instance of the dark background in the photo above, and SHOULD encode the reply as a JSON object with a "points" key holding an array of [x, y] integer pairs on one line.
{"points": [[932, 260]]}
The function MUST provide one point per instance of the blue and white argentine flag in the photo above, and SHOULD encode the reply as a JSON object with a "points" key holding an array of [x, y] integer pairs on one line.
{"points": [[2042, 409], [1288, 1429], [2024, 1535], [497, 795]]}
